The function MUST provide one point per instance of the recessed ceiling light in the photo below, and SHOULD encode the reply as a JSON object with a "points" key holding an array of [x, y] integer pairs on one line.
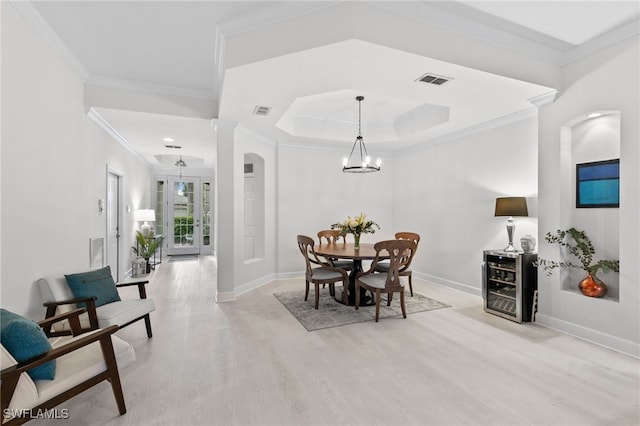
{"points": [[168, 139], [594, 115]]}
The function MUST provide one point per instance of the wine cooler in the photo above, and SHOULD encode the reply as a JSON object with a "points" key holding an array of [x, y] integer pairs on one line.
{"points": [[509, 284]]}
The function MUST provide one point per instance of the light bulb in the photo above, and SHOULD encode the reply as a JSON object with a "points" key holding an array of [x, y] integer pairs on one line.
{"points": [[345, 161], [378, 162], [367, 160]]}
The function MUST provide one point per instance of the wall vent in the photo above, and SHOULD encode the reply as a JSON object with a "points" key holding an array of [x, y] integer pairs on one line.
{"points": [[173, 146], [261, 110], [429, 78], [248, 168]]}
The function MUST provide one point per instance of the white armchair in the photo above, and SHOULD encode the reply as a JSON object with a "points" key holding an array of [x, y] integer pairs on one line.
{"points": [[82, 361], [58, 297]]}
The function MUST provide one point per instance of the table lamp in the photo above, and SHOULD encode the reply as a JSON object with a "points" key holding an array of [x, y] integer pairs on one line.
{"points": [[511, 206], [146, 216]]}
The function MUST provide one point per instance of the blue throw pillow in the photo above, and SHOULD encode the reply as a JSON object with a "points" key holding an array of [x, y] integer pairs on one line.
{"points": [[97, 283], [24, 339]]}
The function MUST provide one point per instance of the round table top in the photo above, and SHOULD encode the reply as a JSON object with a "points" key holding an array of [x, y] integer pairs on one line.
{"points": [[346, 251]]}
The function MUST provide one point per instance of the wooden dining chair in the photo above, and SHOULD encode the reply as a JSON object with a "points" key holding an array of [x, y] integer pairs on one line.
{"points": [[324, 273], [332, 236], [400, 253], [384, 265]]}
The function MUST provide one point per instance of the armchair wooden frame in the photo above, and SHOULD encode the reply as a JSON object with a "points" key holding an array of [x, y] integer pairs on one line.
{"points": [[325, 273], [90, 303], [11, 375], [400, 254]]}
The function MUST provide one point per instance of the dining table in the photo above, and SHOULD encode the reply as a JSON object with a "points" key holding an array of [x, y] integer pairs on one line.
{"points": [[348, 251]]}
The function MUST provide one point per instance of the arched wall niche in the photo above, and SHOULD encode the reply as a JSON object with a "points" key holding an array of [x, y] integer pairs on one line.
{"points": [[585, 140], [254, 207]]}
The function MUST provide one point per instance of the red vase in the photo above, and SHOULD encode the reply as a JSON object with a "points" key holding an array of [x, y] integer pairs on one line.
{"points": [[592, 287]]}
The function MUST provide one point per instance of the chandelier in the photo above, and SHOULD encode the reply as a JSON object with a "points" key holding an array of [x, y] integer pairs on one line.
{"points": [[180, 164], [360, 162]]}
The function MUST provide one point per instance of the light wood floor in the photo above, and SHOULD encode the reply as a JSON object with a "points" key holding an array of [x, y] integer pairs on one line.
{"points": [[250, 362]]}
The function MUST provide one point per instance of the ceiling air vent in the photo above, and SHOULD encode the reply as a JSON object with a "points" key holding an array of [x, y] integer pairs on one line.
{"points": [[261, 110], [438, 80]]}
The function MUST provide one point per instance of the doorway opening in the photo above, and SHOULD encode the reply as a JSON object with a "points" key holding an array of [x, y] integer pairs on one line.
{"points": [[184, 214]]}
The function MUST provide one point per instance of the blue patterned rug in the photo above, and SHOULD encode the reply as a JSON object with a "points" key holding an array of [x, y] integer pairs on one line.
{"points": [[331, 313]]}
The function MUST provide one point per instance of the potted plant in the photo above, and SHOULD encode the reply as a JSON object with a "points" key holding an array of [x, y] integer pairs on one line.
{"points": [[579, 245], [146, 246]]}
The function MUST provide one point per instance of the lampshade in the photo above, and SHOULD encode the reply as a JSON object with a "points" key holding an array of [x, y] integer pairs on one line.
{"points": [[145, 215], [511, 206]]}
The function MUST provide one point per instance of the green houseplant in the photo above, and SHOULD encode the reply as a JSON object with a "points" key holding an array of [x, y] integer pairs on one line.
{"points": [[579, 245], [146, 246]]}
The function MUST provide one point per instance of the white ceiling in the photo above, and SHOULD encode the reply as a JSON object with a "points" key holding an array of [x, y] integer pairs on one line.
{"points": [[574, 22], [163, 46]]}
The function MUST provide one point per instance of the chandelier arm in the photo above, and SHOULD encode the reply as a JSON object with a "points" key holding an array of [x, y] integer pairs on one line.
{"points": [[352, 149], [364, 148]]}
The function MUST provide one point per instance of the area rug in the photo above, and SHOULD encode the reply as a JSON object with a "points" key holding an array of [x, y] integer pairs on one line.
{"points": [[331, 313]]}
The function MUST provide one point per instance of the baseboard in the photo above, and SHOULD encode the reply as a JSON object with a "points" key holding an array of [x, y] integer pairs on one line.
{"points": [[290, 275], [448, 283], [255, 284], [593, 336], [225, 296]]}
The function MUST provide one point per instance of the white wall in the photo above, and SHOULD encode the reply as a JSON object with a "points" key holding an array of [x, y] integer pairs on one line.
{"points": [[447, 194], [234, 274], [605, 81], [314, 193], [53, 167], [255, 272], [588, 140]]}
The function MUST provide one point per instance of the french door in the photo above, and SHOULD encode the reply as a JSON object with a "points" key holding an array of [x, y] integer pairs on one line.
{"points": [[184, 216]]}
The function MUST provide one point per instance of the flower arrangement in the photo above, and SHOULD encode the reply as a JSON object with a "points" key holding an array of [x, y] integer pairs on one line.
{"points": [[356, 225]]}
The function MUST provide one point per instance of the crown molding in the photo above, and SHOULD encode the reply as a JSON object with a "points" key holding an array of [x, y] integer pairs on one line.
{"points": [[531, 112], [479, 128], [31, 15], [280, 11], [544, 99], [218, 64], [604, 41], [147, 87], [247, 132], [479, 25], [313, 146], [483, 26], [104, 125]]}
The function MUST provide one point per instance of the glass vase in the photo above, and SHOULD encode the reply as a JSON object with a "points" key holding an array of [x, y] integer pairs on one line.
{"points": [[356, 243]]}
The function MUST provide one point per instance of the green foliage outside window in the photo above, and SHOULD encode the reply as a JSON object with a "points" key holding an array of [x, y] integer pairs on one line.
{"points": [[182, 226]]}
